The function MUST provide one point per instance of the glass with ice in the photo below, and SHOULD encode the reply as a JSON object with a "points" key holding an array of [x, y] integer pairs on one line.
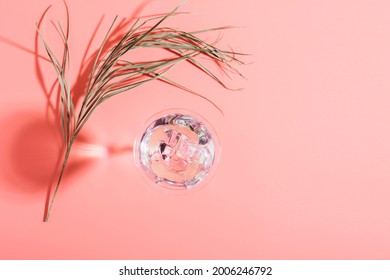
{"points": [[177, 150]]}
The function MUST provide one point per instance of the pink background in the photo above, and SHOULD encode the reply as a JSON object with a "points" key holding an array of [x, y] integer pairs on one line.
{"points": [[304, 172]]}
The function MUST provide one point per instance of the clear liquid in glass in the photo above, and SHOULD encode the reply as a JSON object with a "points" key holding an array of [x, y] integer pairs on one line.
{"points": [[177, 151]]}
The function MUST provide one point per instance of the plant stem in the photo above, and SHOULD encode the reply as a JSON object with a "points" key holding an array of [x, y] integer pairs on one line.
{"points": [[67, 153]]}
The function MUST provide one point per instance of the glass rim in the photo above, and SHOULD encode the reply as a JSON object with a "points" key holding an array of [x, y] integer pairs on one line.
{"points": [[174, 189]]}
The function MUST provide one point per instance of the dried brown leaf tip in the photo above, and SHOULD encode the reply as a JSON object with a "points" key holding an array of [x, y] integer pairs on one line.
{"points": [[112, 72]]}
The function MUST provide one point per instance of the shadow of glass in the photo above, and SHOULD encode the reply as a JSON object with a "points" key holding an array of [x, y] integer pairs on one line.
{"points": [[31, 154]]}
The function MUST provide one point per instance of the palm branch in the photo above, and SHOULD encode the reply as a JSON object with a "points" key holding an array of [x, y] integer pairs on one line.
{"points": [[112, 73]]}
